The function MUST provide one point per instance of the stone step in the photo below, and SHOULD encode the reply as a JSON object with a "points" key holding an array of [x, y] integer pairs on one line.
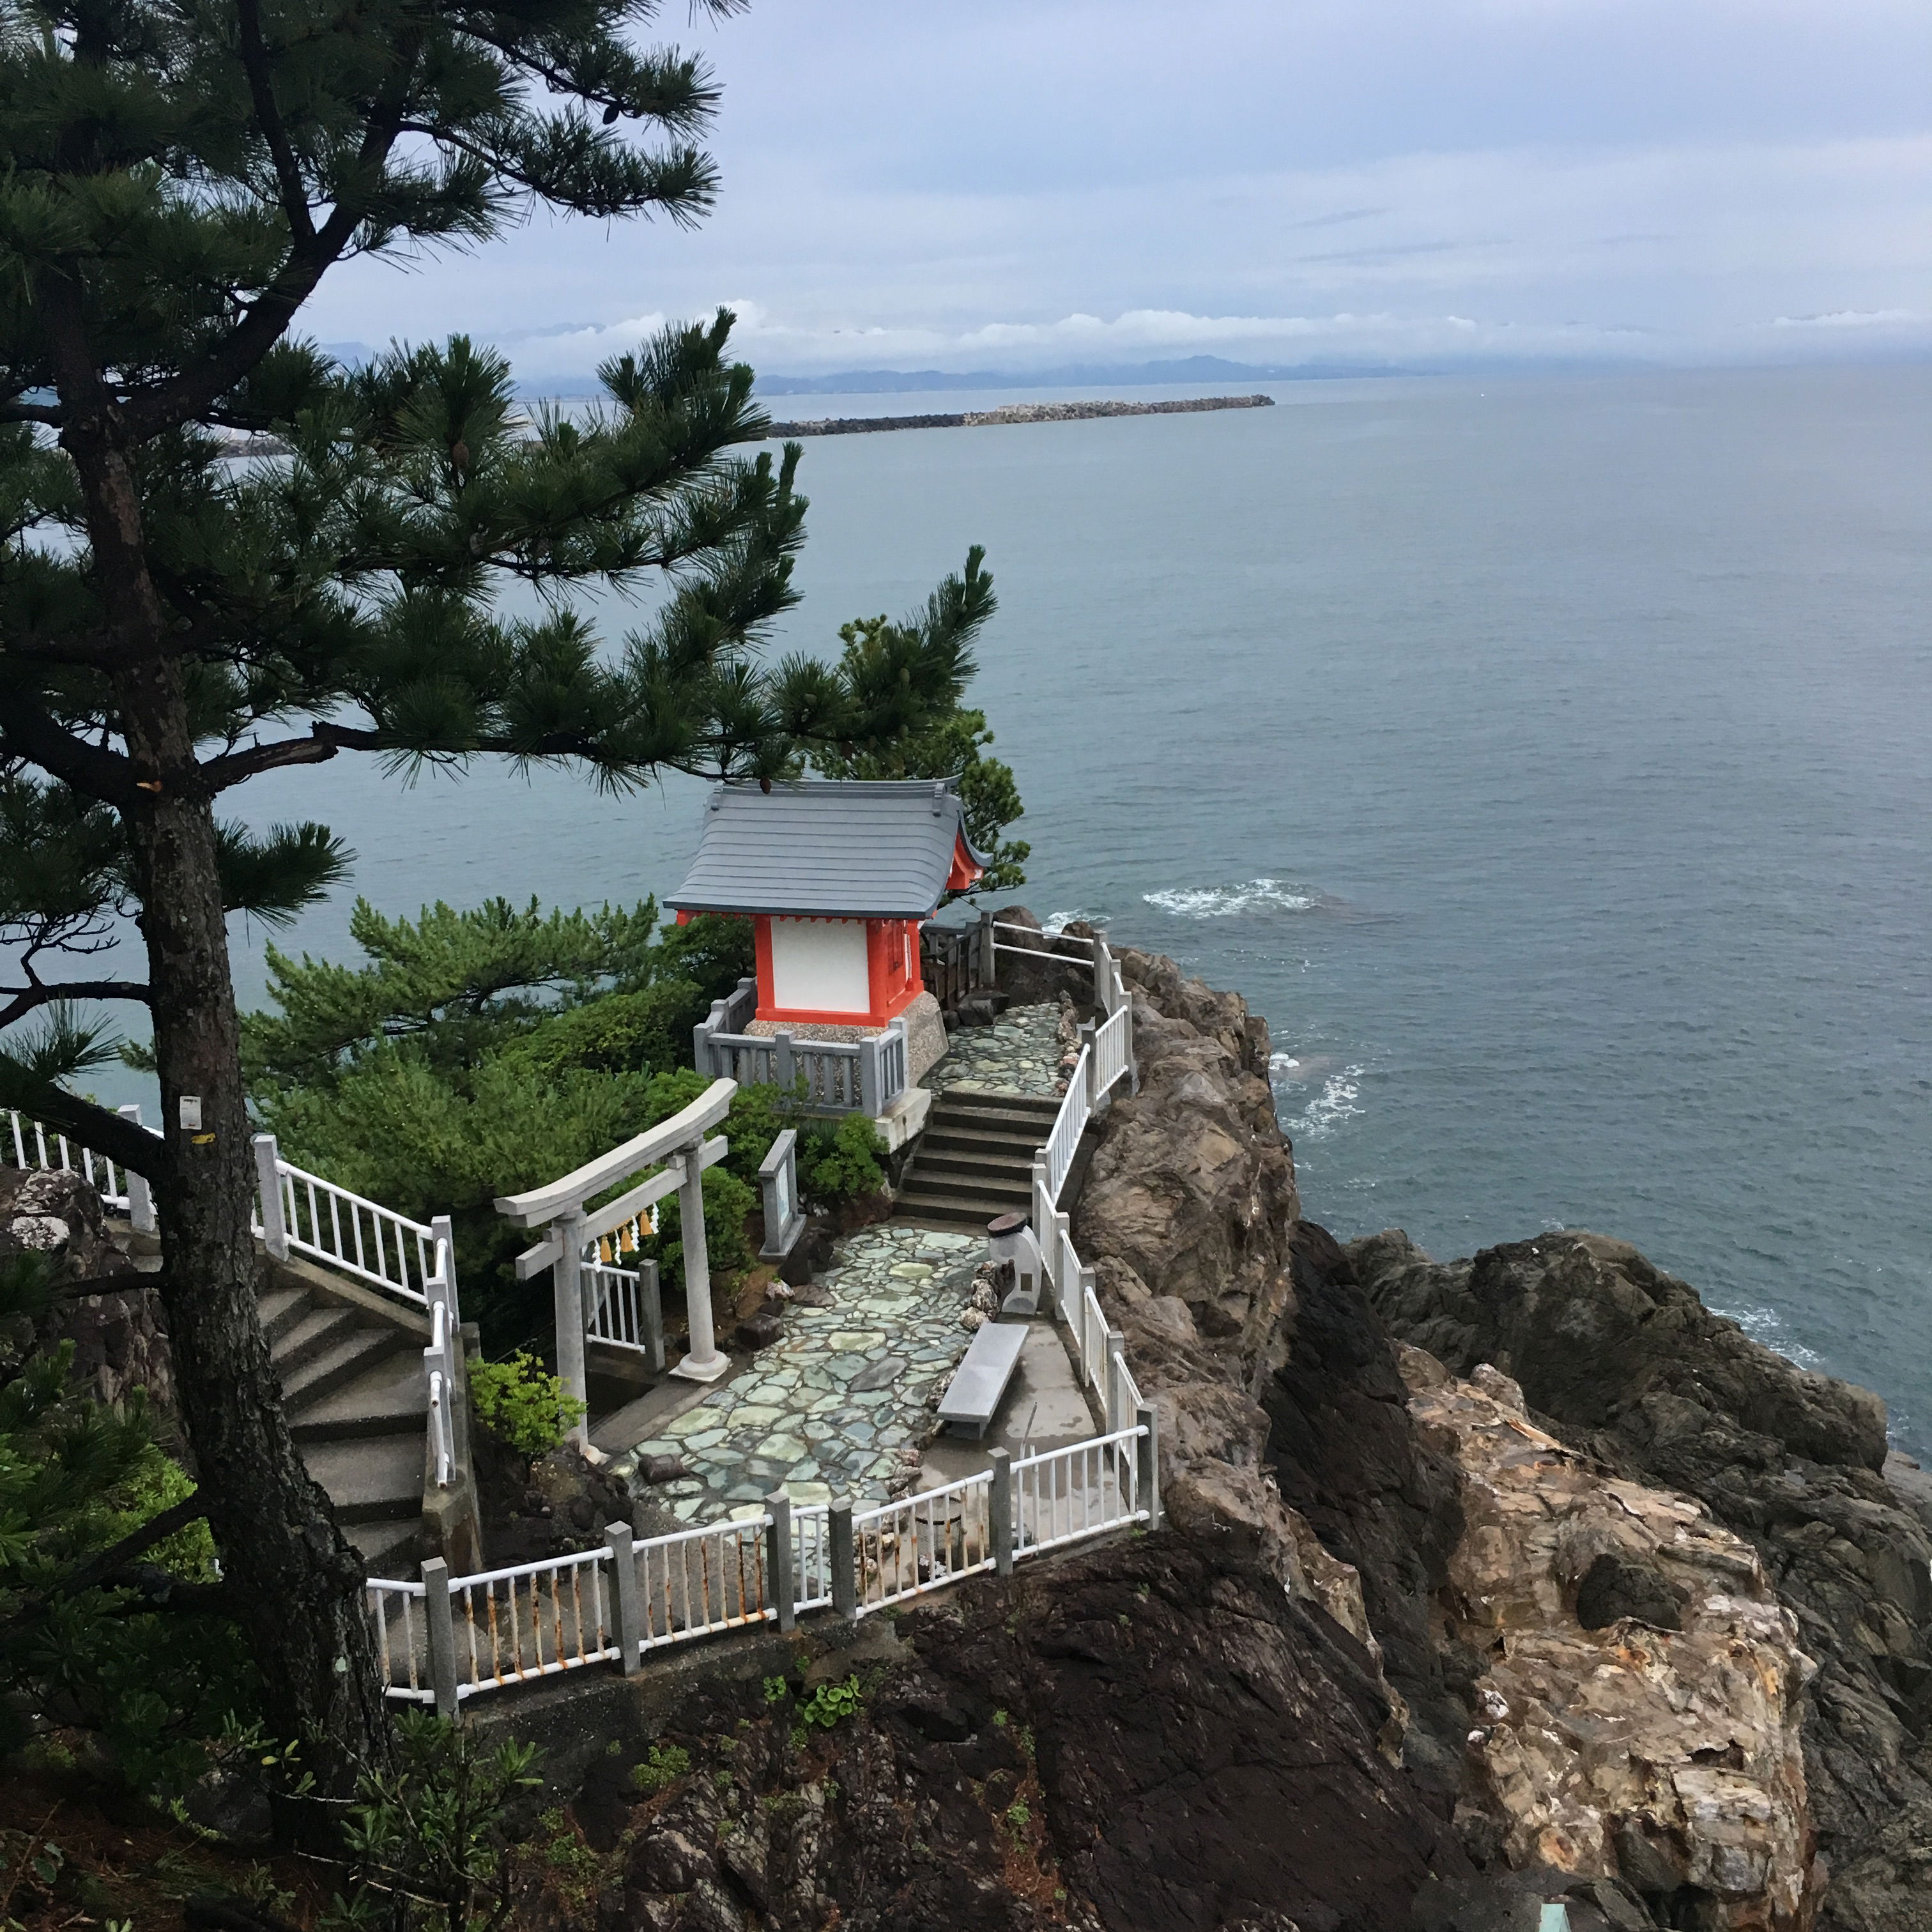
{"points": [[376, 1480], [393, 1550], [355, 1352], [313, 1333], [280, 1309], [1017, 1148], [950, 1210], [1019, 1110], [389, 1397], [977, 1186], [995, 1163]]}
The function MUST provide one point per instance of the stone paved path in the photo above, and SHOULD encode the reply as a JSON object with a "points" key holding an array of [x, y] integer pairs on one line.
{"points": [[1019, 1053], [829, 1408]]}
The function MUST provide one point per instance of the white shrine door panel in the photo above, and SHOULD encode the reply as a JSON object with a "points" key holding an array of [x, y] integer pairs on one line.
{"points": [[818, 966]]}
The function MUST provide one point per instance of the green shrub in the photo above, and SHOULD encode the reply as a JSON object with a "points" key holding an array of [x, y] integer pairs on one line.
{"points": [[647, 1031], [520, 1403], [728, 1201], [842, 1164]]}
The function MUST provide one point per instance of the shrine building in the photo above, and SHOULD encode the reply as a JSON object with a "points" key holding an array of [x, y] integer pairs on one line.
{"points": [[836, 876]]}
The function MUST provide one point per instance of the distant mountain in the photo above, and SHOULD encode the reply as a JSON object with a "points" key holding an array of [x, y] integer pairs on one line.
{"points": [[1135, 375]]}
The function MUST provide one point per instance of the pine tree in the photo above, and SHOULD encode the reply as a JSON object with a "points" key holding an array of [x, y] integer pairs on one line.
{"points": [[186, 604]]}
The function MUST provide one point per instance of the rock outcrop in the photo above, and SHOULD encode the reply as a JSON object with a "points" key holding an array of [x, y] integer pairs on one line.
{"points": [[120, 1332], [1625, 1363], [1151, 1737], [1640, 1693]]}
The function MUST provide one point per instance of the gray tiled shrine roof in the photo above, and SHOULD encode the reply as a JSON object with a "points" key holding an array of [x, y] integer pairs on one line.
{"points": [[862, 848]]}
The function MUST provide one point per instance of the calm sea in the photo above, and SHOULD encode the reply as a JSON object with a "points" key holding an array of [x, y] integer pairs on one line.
{"points": [[1550, 761]]}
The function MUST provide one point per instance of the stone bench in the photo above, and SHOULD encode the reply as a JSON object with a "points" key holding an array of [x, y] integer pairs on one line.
{"points": [[979, 1383]]}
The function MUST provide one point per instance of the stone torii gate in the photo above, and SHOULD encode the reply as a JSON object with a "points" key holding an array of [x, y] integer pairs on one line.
{"points": [[678, 1150]]}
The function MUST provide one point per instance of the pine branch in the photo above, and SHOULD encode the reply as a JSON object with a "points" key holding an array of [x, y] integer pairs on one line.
{"points": [[234, 768], [22, 1000], [261, 89], [27, 731], [92, 1126]]}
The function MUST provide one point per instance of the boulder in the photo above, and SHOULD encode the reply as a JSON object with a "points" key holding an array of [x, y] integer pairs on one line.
{"points": [[1615, 1744], [1624, 1362]]}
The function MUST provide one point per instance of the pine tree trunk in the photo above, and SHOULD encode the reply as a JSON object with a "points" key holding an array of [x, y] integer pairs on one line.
{"points": [[296, 1581]]}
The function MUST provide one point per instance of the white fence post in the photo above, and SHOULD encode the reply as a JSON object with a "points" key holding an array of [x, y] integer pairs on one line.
{"points": [[1000, 1512], [140, 1196], [627, 1602], [784, 1578], [1117, 1352], [1147, 1452], [267, 1176], [845, 1570], [441, 1627]]}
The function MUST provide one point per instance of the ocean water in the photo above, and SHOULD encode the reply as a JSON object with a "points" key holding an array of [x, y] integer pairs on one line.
{"points": [[1549, 760]]}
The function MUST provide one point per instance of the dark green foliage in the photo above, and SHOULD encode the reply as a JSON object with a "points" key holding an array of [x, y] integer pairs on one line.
{"points": [[941, 741], [481, 1053], [621, 1032], [452, 983], [425, 1839], [728, 1201], [838, 1161], [842, 1164], [77, 1479]]}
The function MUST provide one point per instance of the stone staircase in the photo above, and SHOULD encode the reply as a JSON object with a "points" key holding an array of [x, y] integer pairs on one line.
{"points": [[974, 1161], [352, 1370]]}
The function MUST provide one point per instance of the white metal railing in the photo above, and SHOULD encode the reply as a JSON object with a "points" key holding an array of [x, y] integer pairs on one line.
{"points": [[533, 1620], [811, 1555], [1045, 945], [626, 1310], [1065, 1495], [448, 1638], [1091, 1328], [903, 1549], [1069, 1124], [36, 1145], [400, 1630], [1113, 1049], [302, 1213], [439, 1375], [695, 1581]]}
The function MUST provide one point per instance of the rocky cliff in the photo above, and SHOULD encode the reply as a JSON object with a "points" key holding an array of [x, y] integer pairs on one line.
{"points": [[1625, 1364], [1483, 1584]]}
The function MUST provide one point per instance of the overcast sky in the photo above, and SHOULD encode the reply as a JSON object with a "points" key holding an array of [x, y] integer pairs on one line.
{"points": [[982, 185]]}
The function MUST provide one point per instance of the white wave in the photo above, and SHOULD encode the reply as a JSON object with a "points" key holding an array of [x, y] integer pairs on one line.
{"points": [[1058, 922], [1223, 901], [1282, 1062], [1767, 1326], [1339, 1100]]}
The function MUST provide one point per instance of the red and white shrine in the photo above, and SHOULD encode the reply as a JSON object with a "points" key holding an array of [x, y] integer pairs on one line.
{"points": [[836, 876]]}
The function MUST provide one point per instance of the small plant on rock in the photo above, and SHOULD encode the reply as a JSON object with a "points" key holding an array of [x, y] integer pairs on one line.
{"points": [[664, 1766], [522, 1404]]}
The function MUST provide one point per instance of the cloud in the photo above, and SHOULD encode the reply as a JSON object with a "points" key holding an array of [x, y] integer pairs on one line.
{"points": [[1852, 318]]}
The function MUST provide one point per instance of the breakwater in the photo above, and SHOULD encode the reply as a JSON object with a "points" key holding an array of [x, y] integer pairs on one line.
{"points": [[1018, 413]]}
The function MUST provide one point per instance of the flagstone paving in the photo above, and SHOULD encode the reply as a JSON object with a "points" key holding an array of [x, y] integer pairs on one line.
{"points": [[1019, 1053], [842, 1403]]}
